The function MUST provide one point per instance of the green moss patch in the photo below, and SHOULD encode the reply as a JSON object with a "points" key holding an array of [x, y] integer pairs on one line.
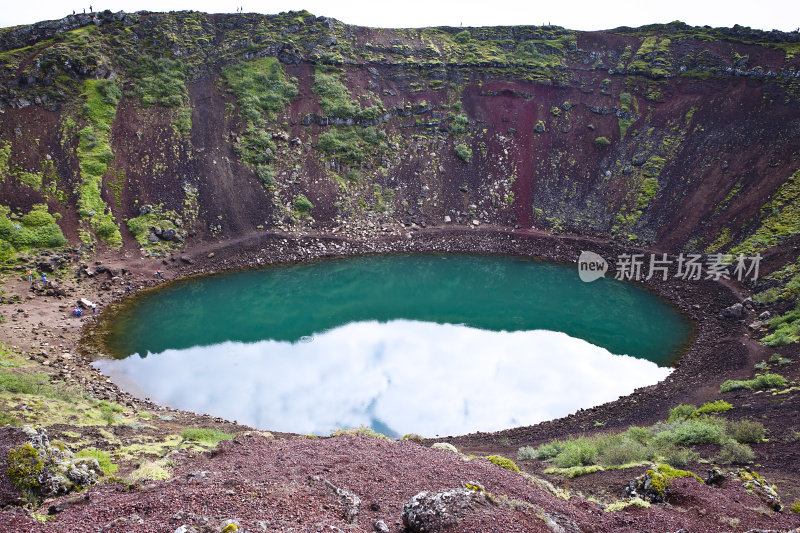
{"points": [[503, 462], [262, 92], [94, 153], [162, 82], [335, 99], [351, 145], [103, 459], [653, 57], [787, 328], [260, 87], [35, 229]]}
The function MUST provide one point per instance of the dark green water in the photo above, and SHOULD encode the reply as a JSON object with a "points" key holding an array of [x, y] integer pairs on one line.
{"points": [[488, 292]]}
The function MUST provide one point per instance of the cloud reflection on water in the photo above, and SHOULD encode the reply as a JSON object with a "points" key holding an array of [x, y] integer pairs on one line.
{"points": [[400, 376]]}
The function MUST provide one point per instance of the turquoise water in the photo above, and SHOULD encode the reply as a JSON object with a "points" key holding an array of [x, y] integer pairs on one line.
{"points": [[426, 343]]}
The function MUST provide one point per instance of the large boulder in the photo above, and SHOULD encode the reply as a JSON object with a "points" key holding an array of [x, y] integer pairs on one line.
{"points": [[40, 469], [736, 311], [435, 511]]}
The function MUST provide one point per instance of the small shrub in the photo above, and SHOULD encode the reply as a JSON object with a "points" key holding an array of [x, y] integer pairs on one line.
{"points": [[760, 382], [698, 431], [266, 175], [733, 452], [638, 434], [353, 176], [503, 462], [733, 384], [578, 452], [362, 431], [768, 381], [108, 411], [681, 412], [792, 435], [549, 450], [413, 437], [747, 431], [677, 456], [107, 231], [712, 408], [459, 125], [302, 204], [623, 452], [344, 144], [795, 507], [602, 142], [462, 37], [527, 453], [464, 152]]}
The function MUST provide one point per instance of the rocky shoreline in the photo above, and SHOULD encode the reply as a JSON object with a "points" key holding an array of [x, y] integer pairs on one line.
{"points": [[722, 348]]}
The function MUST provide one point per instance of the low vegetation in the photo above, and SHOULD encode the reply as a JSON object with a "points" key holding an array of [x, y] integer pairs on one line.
{"points": [[94, 155], [35, 229], [464, 152], [302, 205], [666, 442], [760, 382], [35, 384], [262, 92], [335, 100], [503, 462], [205, 436], [162, 82], [786, 326], [352, 145], [260, 87], [682, 412]]}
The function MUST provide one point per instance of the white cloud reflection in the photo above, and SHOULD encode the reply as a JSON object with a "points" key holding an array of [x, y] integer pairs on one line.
{"points": [[399, 377]]}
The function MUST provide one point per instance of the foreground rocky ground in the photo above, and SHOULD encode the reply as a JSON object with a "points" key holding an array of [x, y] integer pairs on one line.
{"points": [[169, 479]]}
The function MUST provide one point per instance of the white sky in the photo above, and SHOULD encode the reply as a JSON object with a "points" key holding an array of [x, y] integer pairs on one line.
{"points": [[576, 14]]}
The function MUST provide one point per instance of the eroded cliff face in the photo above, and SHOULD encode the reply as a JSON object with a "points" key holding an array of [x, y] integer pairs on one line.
{"points": [[160, 130]]}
